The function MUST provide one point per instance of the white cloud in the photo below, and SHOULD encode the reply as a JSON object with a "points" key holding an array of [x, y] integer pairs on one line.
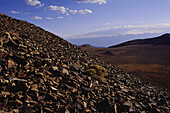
{"points": [[15, 12], [91, 1], [21, 13], [124, 30], [49, 18], [141, 31], [66, 11], [32, 2], [128, 27], [149, 26], [85, 11], [60, 9], [80, 11], [73, 11], [37, 18], [40, 5], [60, 17]]}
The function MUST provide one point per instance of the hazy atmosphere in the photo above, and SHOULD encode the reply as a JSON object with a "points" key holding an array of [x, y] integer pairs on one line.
{"points": [[76, 19]]}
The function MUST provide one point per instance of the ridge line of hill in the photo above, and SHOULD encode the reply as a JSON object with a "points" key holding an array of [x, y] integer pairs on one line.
{"points": [[160, 40]]}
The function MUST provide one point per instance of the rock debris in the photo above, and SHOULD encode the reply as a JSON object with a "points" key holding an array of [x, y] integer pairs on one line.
{"points": [[42, 73]]}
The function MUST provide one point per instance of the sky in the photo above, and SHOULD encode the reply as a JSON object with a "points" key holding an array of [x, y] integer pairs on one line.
{"points": [[92, 18]]}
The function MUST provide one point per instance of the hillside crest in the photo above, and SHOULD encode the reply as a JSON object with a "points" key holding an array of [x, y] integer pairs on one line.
{"points": [[161, 40]]}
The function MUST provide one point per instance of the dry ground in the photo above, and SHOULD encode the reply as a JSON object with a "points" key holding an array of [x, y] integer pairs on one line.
{"points": [[148, 62]]}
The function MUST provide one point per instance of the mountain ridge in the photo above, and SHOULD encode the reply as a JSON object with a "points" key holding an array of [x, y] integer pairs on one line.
{"points": [[160, 40]]}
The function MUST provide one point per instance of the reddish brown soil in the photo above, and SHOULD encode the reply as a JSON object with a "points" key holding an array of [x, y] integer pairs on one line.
{"points": [[148, 62]]}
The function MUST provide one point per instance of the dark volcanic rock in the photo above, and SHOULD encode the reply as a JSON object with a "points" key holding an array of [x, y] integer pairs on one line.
{"points": [[40, 72]]}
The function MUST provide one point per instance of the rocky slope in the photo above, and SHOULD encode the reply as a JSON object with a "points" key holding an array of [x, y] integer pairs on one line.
{"points": [[41, 72]]}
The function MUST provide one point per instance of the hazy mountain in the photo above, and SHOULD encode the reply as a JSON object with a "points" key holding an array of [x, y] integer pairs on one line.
{"points": [[110, 40]]}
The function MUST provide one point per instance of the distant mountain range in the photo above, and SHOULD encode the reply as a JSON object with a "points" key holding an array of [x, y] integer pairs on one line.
{"points": [[109, 40]]}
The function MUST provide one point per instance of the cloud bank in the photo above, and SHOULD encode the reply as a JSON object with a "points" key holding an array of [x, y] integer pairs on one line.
{"points": [[124, 30], [34, 3], [67, 11], [60, 9], [80, 11]]}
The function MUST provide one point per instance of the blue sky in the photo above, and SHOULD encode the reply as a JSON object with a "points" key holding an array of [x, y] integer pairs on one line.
{"points": [[92, 18]]}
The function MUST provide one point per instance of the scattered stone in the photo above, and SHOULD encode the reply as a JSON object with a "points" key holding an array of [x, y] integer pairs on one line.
{"points": [[67, 111], [41, 72], [5, 93], [87, 89], [127, 103], [55, 68], [11, 63], [65, 71]]}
